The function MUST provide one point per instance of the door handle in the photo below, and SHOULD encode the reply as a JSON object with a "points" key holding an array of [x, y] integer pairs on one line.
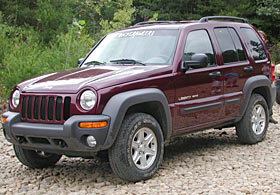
{"points": [[214, 75], [248, 69]]}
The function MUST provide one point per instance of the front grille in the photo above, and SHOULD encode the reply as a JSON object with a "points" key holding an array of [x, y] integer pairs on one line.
{"points": [[45, 108]]}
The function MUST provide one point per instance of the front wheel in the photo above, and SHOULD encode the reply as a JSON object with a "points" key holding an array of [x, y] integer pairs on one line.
{"points": [[253, 126], [138, 149], [35, 159]]}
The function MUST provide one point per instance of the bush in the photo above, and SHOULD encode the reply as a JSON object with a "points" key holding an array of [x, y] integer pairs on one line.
{"points": [[275, 53], [23, 56]]}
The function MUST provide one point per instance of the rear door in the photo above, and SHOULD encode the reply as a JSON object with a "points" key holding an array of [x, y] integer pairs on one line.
{"points": [[199, 92], [261, 62], [236, 68], [239, 65]]}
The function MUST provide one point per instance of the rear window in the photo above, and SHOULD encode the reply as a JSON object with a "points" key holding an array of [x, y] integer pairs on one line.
{"points": [[254, 44]]}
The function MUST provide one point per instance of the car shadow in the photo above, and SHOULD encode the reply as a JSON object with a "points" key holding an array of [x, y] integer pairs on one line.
{"points": [[97, 171], [198, 142]]}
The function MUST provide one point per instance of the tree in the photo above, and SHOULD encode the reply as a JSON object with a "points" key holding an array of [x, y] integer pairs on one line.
{"points": [[269, 13], [121, 18], [52, 18]]}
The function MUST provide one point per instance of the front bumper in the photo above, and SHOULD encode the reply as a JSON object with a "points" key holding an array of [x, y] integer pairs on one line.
{"points": [[68, 139]]}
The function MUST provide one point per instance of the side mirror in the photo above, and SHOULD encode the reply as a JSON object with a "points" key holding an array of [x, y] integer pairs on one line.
{"points": [[197, 61], [80, 61]]}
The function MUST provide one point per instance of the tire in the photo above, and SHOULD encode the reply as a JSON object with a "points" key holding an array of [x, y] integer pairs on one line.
{"points": [[34, 159], [137, 128], [253, 126]]}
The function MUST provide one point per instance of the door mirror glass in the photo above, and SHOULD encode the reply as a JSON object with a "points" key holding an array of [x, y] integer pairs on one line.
{"points": [[197, 61]]}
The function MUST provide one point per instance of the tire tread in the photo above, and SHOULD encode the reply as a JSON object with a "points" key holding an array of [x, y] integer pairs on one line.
{"points": [[117, 156]]}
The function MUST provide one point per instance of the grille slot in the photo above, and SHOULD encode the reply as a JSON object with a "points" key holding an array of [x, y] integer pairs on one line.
{"points": [[23, 107], [36, 108], [29, 107], [66, 108], [58, 108], [50, 108], [45, 109]]}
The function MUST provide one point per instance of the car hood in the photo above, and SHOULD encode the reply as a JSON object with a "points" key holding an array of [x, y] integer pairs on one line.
{"points": [[98, 77]]}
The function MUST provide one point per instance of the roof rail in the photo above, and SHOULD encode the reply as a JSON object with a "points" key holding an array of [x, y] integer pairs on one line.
{"points": [[154, 22], [205, 19]]}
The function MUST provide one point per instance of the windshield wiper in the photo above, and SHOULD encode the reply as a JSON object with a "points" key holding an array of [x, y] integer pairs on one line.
{"points": [[127, 61], [94, 63]]}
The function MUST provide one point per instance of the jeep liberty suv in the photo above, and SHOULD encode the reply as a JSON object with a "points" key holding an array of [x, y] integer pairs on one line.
{"points": [[140, 86]]}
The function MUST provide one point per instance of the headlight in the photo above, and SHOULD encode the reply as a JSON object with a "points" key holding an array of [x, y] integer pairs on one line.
{"points": [[87, 100], [15, 98]]}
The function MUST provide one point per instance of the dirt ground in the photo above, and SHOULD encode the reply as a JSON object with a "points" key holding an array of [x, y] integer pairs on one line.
{"points": [[209, 162]]}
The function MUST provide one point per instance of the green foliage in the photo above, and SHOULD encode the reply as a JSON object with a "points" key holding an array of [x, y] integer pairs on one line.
{"points": [[18, 12], [269, 8], [24, 56], [48, 17], [269, 16], [40, 36], [264, 14], [121, 19], [154, 17], [275, 53], [53, 17]]}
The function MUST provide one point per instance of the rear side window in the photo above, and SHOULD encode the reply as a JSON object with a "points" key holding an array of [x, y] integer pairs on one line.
{"points": [[198, 42], [230, 45], [254, 44], [239, 49]]}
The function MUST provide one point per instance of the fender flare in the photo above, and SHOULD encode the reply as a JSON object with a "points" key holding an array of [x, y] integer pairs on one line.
{"points": [[118, 105], [251, 84]]}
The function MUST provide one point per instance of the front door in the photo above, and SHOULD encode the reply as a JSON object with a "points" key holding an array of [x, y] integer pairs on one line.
{"points": [[199, 92]]}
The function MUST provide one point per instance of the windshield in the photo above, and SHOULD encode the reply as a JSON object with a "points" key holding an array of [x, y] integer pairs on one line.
{"points": [[145, 47]]}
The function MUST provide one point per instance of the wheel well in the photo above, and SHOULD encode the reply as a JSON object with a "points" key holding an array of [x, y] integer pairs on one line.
{"points": [[263, 91], [153, 108]]}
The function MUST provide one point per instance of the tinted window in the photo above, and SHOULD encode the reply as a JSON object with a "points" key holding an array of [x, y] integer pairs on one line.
{"points": [[240, 51], [254, 44], [198, 42], [226, 45]]}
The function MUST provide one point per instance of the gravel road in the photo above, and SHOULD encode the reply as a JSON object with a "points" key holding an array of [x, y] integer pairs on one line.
{"points": [[209, 162]]}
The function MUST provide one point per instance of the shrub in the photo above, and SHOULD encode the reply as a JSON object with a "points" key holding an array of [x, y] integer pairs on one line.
{"points": [[275, 53], [23, 56]]}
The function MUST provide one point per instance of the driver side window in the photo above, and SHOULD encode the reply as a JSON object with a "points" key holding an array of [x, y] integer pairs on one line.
{"points": [[198, 42]]}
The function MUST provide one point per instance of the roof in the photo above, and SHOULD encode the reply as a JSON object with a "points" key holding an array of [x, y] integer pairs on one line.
{"points": [[175, 25], [202, 20]]}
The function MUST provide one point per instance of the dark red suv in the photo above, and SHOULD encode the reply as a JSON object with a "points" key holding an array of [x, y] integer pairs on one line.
{"points": [[140, 86]]}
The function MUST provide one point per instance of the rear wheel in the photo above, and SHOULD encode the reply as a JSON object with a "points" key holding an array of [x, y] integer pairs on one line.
{"points": [[253, 126], [138, 149], [35, 159]]}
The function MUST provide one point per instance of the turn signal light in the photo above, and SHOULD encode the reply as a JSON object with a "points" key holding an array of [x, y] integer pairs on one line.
{"points": [[93, 124], [4, 119]]}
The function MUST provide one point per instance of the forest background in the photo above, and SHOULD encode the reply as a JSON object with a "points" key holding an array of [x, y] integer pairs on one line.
{"points": [[40, 36]]}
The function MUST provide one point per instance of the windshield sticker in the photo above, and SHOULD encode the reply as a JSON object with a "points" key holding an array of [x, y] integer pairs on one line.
{"points": [[137, 34]]}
